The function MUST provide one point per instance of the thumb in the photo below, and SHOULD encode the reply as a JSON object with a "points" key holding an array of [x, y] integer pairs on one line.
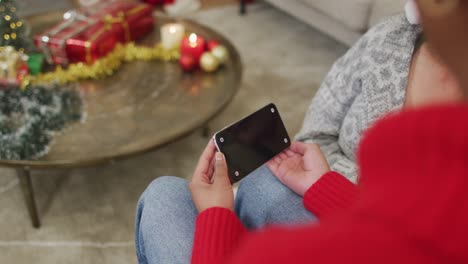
{"points": [[220, 175]]}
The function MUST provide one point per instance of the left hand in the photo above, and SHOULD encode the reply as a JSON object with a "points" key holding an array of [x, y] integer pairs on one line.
{"points": [[300, 166], [210, 185]]}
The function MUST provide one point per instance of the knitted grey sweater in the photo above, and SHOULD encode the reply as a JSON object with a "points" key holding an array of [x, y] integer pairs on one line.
{"points": [[369, 81]]}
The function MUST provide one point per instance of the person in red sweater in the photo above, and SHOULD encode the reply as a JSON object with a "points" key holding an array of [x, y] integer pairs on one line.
{"points": [[410, 204]]}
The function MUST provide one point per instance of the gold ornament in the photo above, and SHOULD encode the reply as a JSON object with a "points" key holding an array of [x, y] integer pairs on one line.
{"points": [[10, 62], [221, 53], [208, 62], [103, 67]]}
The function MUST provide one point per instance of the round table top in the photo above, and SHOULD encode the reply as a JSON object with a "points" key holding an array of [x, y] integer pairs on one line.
{"points": [[145, 105]]}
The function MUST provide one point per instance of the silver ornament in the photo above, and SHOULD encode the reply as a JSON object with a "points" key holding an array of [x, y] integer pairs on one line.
{"points": [[221, 53]]}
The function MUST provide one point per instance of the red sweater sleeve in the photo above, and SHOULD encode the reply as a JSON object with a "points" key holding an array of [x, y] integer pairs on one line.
{"points": [[218, 230], [221, 238], [217, 233], [331, 193]]}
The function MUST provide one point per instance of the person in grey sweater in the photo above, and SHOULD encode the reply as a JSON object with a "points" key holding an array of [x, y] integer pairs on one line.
{"points": [[369, 81], [390, 68]]}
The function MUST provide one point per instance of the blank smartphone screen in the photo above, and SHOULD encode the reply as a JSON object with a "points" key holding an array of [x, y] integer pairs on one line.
{"points": [[252, 141]]}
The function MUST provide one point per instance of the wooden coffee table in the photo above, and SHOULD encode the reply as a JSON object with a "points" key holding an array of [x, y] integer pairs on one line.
{"points": [[144, 106]]}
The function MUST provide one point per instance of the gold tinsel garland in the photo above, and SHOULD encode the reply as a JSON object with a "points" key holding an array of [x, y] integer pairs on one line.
{"points": [[103, 67]]}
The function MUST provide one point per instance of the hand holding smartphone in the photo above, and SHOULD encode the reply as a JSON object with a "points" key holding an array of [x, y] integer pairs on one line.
{"points": [[252, 141]]}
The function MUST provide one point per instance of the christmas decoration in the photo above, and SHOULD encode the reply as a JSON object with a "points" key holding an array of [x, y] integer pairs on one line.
{"points": [[13, 31], [35, 63], [208, 62], [85, 36], [211, 44], [221, 53], [103, 67], [209, 56], [23, 71], [13, 67], [188, 62], [28, 119], [171, 35], [193, 45]]}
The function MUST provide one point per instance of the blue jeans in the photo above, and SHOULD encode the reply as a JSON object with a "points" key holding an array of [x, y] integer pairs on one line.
{"points": [[165, 219]]}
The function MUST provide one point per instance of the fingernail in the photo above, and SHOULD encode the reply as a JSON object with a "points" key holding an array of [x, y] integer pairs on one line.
{"points": [[219, 156]]}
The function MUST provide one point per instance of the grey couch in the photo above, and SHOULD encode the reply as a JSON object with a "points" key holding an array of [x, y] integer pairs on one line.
{"points": [[344, 20]]}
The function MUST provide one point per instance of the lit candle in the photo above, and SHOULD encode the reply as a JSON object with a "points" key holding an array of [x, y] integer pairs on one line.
{"points": [[193, 45], [171, 35]]}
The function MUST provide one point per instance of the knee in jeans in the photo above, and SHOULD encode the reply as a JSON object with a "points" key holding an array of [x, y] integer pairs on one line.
{"points": [[260, 184], [246, 189], [165, 187], [276, 213]]}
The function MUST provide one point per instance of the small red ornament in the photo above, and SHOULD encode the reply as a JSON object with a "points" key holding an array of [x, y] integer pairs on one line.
{"points": [[188, 62], [210, 45], [22, 72]]}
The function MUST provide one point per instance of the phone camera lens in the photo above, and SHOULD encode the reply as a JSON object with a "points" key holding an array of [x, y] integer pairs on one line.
{"points": [[285, 140], [272, 110], [236, 173], [221, 140]]}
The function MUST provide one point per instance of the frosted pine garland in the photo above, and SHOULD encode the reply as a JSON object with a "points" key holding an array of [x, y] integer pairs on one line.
{"points": [[29, 118]]}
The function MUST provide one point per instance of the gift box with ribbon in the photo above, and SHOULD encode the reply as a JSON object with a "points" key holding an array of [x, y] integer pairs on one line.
{"points": [[85, 37], [13, 66]]}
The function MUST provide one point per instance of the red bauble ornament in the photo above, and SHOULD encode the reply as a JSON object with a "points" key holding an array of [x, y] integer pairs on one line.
{"points": [[210, 45], [188, 62], [22, 72]]}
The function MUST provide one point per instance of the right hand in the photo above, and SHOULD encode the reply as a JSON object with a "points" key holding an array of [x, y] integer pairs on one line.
{"points": [[299, 166], [210, 185]]}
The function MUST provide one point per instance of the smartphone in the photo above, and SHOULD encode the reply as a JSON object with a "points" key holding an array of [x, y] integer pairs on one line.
{"points": [[252, 141]]}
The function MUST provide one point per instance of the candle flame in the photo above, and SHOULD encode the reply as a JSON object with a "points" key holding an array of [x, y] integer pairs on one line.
{"points": [[193, 38], [67, 15], [172, 29]]}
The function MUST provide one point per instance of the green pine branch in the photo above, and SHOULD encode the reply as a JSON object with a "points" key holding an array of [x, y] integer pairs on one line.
{"points": [[13, 30]]}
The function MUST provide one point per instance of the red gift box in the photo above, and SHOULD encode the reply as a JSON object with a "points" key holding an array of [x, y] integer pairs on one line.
{"points": [[85, 37]]}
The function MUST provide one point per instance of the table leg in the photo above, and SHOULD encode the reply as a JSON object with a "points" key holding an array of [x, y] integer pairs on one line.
{"points": [[24, 176], [243, 8]]}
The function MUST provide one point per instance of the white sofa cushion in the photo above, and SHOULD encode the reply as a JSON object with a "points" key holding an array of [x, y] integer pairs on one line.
{"points": [[354, 14], [385, 8]]}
